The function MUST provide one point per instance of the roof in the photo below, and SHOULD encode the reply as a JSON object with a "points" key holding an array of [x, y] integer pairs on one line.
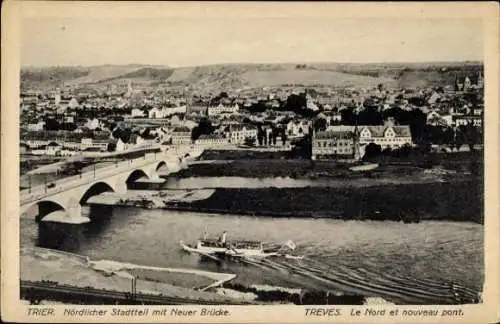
{"points": [[341, 128], [211, 136], [181, 129], [66, 136], [378, 131], [334, 134]]}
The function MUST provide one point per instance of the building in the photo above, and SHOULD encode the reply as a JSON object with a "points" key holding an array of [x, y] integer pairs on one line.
{"points": [[464, 120], [333, 144], [238, 133], [298, 128], [53, 148], [181, 135], [38, 127], [89, 144], [73, 103], [93, 124], [387, 136], [137, 113], [156, 112], [220, 109], [212, 140]]}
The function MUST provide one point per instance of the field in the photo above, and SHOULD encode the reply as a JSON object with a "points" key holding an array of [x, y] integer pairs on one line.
{"points": [[311, 77]]}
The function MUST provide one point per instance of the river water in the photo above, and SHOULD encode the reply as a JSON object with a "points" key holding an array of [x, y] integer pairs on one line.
{"points": [[404, 263]]}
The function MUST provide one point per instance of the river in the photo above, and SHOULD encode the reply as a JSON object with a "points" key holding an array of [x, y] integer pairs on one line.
{"points": [[406, 263]]}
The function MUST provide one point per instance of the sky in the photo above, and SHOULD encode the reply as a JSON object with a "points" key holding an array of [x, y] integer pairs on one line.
{"points": [[188, 41]]}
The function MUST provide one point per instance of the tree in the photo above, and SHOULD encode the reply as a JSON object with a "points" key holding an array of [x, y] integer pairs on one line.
{"points": [[370, 116], [372, 150], [469, 135], [296, 103], [249, 141], [204, 127], [319, 124], [51, 124], [283, 136], [123, 134], [260, 135], [348, 117], [111, 147]]}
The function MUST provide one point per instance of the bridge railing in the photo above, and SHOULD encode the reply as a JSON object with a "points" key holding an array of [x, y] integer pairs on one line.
{"points": [[40, 191]]}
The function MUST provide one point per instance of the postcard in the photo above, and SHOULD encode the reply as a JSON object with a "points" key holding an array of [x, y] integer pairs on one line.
{"points": [[249, 162]]}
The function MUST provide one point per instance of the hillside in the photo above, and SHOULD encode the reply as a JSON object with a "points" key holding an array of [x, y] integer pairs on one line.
{"points": [[144, 73], [216, 78], [51, 76]]}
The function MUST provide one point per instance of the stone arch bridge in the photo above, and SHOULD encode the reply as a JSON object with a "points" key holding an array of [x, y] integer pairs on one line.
{"points": [[63, 201]]}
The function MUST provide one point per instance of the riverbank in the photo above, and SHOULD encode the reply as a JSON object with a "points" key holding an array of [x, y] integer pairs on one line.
{"points": [[64, 268], [307, 169], [411, 198], [457, 200], [67, 270]]}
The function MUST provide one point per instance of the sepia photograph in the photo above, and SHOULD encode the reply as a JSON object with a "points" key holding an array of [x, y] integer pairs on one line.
{"points": [[225, 159]]}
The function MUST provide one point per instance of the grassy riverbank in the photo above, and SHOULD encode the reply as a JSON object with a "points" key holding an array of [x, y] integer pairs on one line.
{"points": [[274, 164], [458, 200]]}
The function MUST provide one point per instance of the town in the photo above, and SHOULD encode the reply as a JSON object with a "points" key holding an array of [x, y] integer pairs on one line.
{"points": [[313, 122], [212, 160]]}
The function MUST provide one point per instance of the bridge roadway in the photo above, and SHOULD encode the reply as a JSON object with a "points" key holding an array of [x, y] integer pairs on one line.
{"points": [[63, 200], [36, 290]]}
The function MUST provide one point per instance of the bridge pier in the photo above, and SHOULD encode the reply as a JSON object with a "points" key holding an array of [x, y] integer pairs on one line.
{"points": [[61, 236]]}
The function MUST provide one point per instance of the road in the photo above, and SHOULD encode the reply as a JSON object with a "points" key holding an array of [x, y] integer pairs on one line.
{"points": [[41, 191]]}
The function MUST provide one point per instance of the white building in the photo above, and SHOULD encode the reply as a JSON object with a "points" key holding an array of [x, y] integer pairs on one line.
{"points": [[387, 136], [120, 146], [220, 109], [181, 136], [137, 113], [93, 124], [212, 140], [238, 133], [89, 143], [73, 103], [298, 128], [38, 127], [156, 112], [53, 148], [464, 120]]}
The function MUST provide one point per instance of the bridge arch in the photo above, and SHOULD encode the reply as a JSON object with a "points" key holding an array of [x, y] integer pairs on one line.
{"points": [[46, 207], [96, 189], [135, 175], [160, 165]]}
